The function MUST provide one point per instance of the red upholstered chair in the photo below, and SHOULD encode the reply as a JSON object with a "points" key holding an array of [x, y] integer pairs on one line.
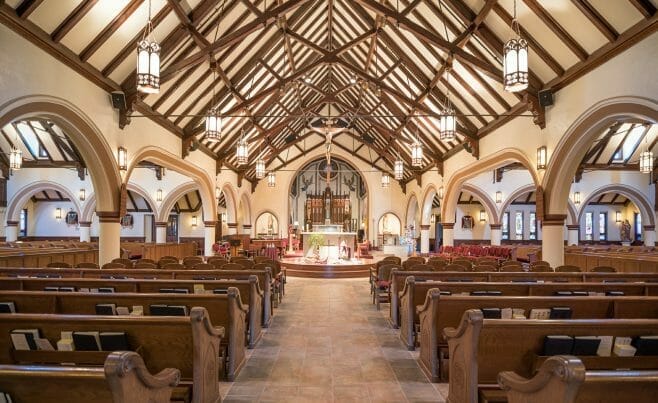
{"points": [[382, 284]]}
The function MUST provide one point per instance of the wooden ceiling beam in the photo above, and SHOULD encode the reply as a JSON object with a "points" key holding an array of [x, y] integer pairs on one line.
{"points": [[72, 19], [645, 7], [596, 19], [27, 7]]}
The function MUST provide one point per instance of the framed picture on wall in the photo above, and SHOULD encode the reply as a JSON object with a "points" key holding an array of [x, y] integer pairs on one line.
{"points": [[71, 218], [467, 222], [127, 220]]}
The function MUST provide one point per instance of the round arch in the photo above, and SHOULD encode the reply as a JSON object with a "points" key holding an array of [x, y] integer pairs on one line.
{"points": [[489, 162], [487, 203], [25, 193], [579, 137], [172, 197], [90, 204], [426, 206], [244, 209], [276, 217], [412, 204], [381, 217], [231, 205], [82, 132], [204, 183], [629, 192]]}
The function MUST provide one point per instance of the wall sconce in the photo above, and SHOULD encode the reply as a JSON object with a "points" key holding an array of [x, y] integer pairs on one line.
{"points": [[386, 180], [432, 219], [123, 159], [499, 197], [271, 179], [218, 193], [483, 216], [58, 214], [618, 216], [223, 217], [576, 197], [158, 195], [541, 157], [82, 195], [194, 221]]}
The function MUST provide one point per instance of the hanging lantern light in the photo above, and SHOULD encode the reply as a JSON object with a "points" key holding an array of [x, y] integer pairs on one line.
{"points": [[15, 159], [646, 162], [416, 154], [242, 152], [148, 61], [386, 180], [576, 197], [213, 126], [260, 169], [515, 60], [271, 179], [398, 169], [448, 124]]}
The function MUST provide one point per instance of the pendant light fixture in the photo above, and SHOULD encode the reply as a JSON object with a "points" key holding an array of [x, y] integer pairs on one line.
{"points": [[515, 60], [448, 119], [499, 197], [576, 197], [398, 169], [241, 151], [260, 169], [386, 180], [271, 179], [148, 60], [15, 159], [646, 159], [417, 151]]}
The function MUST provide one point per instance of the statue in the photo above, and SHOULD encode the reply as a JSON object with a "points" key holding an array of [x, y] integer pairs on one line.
{"points": [[626, 231]]}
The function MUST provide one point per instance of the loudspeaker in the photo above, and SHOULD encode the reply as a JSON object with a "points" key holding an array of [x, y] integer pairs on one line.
{"points": [[545, 98], [119, 100]]}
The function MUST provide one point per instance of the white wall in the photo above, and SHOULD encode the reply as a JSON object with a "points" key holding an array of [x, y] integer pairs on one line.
{"points": [[479, 231]]}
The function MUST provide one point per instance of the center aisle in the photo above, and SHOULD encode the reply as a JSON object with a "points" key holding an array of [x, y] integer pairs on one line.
{"points": [[328, 343]]}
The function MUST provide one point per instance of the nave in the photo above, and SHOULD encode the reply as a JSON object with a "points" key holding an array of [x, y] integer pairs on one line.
{"points": [[327, 342]]}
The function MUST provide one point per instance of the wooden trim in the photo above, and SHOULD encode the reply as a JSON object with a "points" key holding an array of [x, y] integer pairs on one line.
{"points": [[554, 219], [573, 227], [108, 216], [448, 225], [12, 223], [85, 224], [495, 226]]}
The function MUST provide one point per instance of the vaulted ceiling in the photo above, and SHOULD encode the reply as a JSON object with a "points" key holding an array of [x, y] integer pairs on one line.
{"points": [[275, 68]]}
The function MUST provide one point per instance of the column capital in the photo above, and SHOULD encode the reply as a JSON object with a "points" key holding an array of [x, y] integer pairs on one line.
{"points": [[495, 226], [108, 216], [246, 226], [210, 223], [425, 227], [85, 224], [646, 227], [448, 225], [12, 223], [573, 227], [554, 219], [232, 225], [160, 224]]}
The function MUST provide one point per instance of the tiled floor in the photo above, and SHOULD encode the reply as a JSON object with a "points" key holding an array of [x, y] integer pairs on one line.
{"points": [[328, 343]]}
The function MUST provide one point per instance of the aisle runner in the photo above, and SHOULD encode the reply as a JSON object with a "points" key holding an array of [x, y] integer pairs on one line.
{"points": [[327, 343]]}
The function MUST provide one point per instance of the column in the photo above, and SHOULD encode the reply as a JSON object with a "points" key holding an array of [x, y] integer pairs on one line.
{"points": [[11, 231], [649, 235], [160, 232], [573, 231], [424, 239], [209, 237], [85, 231], [448, 234], [552, 243], [246, 229], [232, 228], [496, 234], [109, 236]]}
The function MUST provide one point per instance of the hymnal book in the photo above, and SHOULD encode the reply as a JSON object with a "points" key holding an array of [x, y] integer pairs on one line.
{"points": [[585, 345], [646, 345], [158, 310], [445, 292], [494, 293], [123, 311], [560, 312], [420, 279], [478, 293], [199, 289], [106, 309], [605, 346], [181, 291], [614, 281], [7, 307], [558, 344], [520, 280], [536, 313], [177, 310], [106, 289], [506, 313], [614, 293], [51, 288], [138, 310], [113, 341], [84, 289], [220, 291], [491, 313], [563, 293], [518, 313], [624, 350], [67, 289], [87, 341], [65, 345], [580, 294], [166, 290], [44, 344], [24, 339]]}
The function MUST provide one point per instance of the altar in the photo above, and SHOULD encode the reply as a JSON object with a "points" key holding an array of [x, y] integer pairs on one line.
{"points": [[332, 236]]}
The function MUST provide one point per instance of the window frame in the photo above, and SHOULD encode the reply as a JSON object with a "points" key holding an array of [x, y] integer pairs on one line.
{"points": [[589, 233], [603, 236], [533, 225], [505, 226]]}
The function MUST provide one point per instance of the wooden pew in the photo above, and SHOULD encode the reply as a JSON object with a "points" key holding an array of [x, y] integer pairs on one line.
{"points": [[124, 379], [440, 312], [565, 379], [264, 277], [225, 310], [479, 349], [250, 291], [190, 344]]}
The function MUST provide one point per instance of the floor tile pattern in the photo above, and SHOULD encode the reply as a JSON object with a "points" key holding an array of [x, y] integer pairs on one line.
{"points": [[328, 343]]}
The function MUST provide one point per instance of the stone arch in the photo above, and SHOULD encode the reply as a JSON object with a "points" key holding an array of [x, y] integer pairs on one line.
{"points": [[640, 200], [231, 205], [410, 216], [89, 208], [90, 204], [276, 216], [487, 203], [489, 162], [579, 137], [82, 132], [244, 210], [172, 197], [25, 193], [426, 206], [204, 183], [379, 219], [513, 196]]}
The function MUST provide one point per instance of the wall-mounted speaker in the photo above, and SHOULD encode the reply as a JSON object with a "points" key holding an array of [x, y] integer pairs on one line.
{"points": [[545, 98], [119, 100]]}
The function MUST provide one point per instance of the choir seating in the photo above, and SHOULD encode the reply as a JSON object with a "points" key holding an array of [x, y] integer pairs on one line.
{"points": [[190, 344], [123, 379], [479, 349]]}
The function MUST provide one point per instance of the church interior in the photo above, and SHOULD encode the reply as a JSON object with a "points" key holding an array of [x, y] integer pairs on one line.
{"points": [[328, 201]]}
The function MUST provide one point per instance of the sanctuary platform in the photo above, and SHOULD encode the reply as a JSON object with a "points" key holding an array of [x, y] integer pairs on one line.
{"points": [[333, 268]]}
